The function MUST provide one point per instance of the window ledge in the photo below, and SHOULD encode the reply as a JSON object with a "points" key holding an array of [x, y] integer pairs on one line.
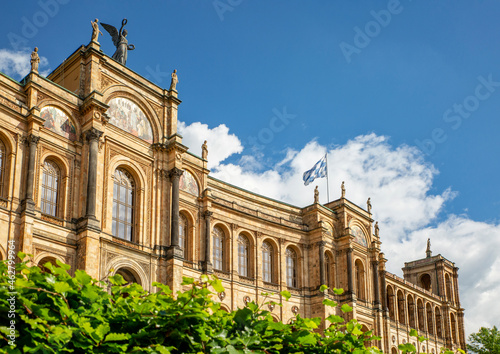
{"points": [[52, 219]]}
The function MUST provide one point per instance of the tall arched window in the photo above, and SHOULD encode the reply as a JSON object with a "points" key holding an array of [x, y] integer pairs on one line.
{"points": [[183, 233], [291, 268], [218, 252], [421, 315], [360, 279], [453, 323], [50, 188], [267, 262], [328, 271], [123, 205], [430, 324], [401, 307], [390, 302], [2, 166], [449, 288], [439, 323], [411, 311], [243, 256]]}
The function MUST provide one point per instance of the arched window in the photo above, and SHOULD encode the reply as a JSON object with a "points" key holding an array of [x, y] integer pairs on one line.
{"points": [[218, 252], [401, 307], [439, 323], [267, 262], [291, 268], [2, 166], [50, 188], [453, 328], [44, 261], [128, 275], [183, 233], [425, 281], [394, 350], [243, 256], [430, 324], [421, 315], [449, 288], [390, 302], [328, 271], [411, 312], [123, 205], [359, 272]]}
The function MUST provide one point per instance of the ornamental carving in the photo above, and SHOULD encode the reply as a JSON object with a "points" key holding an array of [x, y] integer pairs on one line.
{"points": [[40, 97], [246, 299], [10, 104], [295, 310], [105, 82]]}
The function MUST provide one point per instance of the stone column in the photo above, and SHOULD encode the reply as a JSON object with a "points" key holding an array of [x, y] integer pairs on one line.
{"points": [[375, 282], [322, 263], [349, 272], [32, 142], [208, 263], [92, 136], [175, 174]]}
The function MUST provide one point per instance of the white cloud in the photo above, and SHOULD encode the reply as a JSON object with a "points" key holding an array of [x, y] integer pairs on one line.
{"points": [[220, 143], [398, 180], [17, 63]]}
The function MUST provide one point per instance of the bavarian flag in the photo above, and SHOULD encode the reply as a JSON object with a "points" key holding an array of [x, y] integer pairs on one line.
{"points": [[318, 171]]}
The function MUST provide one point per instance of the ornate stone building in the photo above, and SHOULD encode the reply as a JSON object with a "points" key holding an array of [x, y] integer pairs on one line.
{"points": [[94, 174]]}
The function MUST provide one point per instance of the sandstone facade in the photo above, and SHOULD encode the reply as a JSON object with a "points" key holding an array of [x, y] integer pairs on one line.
{"points": [[94, 174]]}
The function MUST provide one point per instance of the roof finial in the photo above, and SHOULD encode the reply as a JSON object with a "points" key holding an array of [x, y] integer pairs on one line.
{"points": [[428, 252], [342, 188], [316, 195]]}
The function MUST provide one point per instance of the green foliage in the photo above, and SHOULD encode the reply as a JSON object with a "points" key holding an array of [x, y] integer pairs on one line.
{"points": [[487, 340], [57, 313]]}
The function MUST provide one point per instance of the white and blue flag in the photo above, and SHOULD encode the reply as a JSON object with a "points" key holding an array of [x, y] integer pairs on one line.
{"points": [[318, 171]]}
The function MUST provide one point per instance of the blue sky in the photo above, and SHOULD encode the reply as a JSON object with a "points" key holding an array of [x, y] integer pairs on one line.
{"points": [[404, 96]]}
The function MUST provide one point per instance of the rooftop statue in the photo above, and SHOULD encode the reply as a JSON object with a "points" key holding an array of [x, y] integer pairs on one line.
{"points": [[95, 31], [120, 41]]}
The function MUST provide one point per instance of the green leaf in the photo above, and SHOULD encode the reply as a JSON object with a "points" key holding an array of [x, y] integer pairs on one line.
{"points": [[338, 291], [62, 287], [217, 285], [323, 288], [346, 308], [335, 319], [82, 277], [187, 281], [328, 302], [286, 294], [113, 337]]}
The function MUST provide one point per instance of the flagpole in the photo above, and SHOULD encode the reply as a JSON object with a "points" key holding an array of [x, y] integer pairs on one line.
{"points": [[327, 178]]}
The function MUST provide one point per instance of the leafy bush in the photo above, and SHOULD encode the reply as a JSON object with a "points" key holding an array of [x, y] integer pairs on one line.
{"points": [[57, 313]]}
